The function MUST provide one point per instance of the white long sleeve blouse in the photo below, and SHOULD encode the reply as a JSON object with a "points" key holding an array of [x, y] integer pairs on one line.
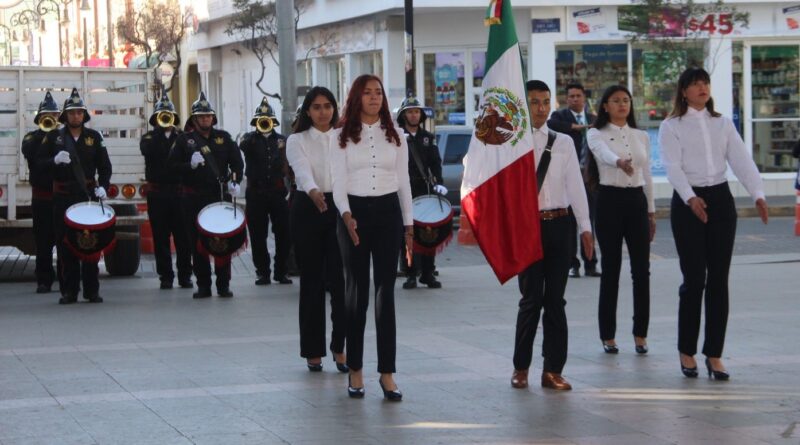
{"points": [[372, 167], [697, 149], [611, 143], [308, 155]]}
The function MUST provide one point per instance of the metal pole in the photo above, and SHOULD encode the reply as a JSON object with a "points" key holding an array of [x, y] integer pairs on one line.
{"points": [[409, 41], [110, 31], [60, 44], [85, 45], [286, 55]]}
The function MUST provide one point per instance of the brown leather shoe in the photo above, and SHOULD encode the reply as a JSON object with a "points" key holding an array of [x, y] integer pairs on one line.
{"points": [[519, 379], [555, 381]]}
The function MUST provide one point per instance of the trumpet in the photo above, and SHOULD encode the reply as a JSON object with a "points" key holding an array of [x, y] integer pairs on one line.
{"points": [[47, 123], [165, 119], [264, 124]]}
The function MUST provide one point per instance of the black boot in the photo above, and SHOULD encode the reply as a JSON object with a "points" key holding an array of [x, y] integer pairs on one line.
{"points": [[224, 292], [68, 298], [202, 292], [411, 282], [430, 281]]}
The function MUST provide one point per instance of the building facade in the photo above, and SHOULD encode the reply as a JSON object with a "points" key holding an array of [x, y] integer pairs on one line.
{"points": [[755, 69]]}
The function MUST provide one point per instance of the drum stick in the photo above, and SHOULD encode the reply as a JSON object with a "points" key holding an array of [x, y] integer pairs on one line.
{"points": [[233, 178]]}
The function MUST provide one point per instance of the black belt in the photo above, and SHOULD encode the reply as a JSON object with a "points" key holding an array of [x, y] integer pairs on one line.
{"points": [[547, 215]]}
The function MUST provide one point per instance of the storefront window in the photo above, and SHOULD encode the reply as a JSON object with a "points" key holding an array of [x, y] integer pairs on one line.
{"points": [[369, 63], [444, 86], [776, 106], [655, 73], [596, 67], [738, 88]]}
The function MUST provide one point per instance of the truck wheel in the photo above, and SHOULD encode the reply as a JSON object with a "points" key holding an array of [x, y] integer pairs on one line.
{"points": [[124, 259]]}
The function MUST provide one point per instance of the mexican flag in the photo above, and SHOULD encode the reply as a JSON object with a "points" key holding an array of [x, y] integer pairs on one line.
{"points": [[498, 192]]}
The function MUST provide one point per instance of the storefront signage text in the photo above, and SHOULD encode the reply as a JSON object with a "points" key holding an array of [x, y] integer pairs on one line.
{"points": [[541, 26]]}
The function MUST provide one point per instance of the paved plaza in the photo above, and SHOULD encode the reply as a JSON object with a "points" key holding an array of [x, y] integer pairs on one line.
{"points": [[156, 367]]}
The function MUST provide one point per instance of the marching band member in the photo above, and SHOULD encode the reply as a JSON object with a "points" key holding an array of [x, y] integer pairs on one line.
{"points": [[202, 158], [68, 151], [266, 170], [371, 190], [41, 180], [166, 218], [425, 173], [313, 217]]}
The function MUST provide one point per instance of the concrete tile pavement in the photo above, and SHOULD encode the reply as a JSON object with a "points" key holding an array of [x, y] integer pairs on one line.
{"points": [[151, 366]]}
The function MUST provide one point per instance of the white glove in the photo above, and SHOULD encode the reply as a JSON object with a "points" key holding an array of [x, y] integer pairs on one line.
{"points": [[100, 192], [62, 158], [440, 189], [197, 159], [234, 188]]}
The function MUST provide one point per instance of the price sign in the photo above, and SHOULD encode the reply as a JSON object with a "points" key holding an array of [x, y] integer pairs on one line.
{"points": [[712, 24]]}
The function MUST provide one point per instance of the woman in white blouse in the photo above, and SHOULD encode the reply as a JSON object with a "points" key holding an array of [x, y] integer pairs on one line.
{"points": [[371, 189], [697, 145], [625, 212], [313, 220]]}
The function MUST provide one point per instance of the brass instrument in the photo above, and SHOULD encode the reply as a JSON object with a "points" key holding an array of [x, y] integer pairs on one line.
{"points": [[264, 124], [47, 123], [165, 119]]}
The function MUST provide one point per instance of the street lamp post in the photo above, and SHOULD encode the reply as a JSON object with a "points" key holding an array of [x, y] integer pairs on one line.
{"points": [[45, 7], [25, 19]]}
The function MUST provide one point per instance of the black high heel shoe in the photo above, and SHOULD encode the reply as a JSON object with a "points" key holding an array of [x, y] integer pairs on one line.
{"points": [[641, 349], [689, 372], [392, 396], [714, 374], [342, 367], [314, 367], [354, 393], [610, 349]]}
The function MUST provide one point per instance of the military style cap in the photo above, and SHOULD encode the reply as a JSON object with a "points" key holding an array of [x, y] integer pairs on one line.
{"points": [[408, 104], [264, 110], [164, 105], [48, 105], [74, 102], [201, 107]]}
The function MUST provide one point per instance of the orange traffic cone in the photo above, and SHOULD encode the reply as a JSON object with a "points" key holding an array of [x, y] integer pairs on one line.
{"points": [[465, 235]]}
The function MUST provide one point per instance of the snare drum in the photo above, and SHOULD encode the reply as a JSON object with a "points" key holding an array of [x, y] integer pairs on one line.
{"points": [[89, 230], [220, 230], [433, 224]]}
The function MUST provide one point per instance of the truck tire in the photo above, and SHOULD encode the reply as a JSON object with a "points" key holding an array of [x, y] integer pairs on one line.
{"points": [[124, 259]]}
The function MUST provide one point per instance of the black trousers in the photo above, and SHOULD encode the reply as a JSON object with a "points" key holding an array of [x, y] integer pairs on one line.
{"points": [[166, 220], [193, 203], [705, 252], [542, 286], [622, 216], [73, 271], [263, 207], [577, 247], [44, 237], [380, 226], [320, 262]]}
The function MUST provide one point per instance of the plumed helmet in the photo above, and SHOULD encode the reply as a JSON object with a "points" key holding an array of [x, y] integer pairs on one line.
{"points": [[74, 102], [407, 104], [201, 106], [264, 110], [164, 105], [48, 105]]}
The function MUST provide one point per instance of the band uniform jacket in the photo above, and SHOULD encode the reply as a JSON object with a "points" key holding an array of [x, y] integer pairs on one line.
{"points": [[93, 157], [562, 120], [40, 178], [265, 157], [424, 143], [202, 179], [155, 148]]}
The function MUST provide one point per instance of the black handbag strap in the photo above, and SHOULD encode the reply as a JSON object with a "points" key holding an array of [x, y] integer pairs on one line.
{"points": [[77, 167], [544, 162]]}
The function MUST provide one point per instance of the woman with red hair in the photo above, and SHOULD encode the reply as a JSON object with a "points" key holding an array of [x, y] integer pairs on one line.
{"points": [[371, 189]]}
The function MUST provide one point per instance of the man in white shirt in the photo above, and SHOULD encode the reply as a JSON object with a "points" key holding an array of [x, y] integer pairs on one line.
{"points": [[543, 283], [574, 121]]}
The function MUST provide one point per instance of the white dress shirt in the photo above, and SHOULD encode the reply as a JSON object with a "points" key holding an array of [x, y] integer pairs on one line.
{"points": [[372, 167], [563, 183], [697, 149], [307, 153], [611, 143]]}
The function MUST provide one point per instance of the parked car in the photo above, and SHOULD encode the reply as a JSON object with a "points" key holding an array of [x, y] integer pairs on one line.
{"points": [[453, 142]]}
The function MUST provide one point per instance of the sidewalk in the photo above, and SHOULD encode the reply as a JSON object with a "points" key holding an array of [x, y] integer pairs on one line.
{"points": [[156, 367]]}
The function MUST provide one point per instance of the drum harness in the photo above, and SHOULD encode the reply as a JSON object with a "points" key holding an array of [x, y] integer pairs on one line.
{"points": [[212, 163], [544, 161], [77, 167], [426, 173]]}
